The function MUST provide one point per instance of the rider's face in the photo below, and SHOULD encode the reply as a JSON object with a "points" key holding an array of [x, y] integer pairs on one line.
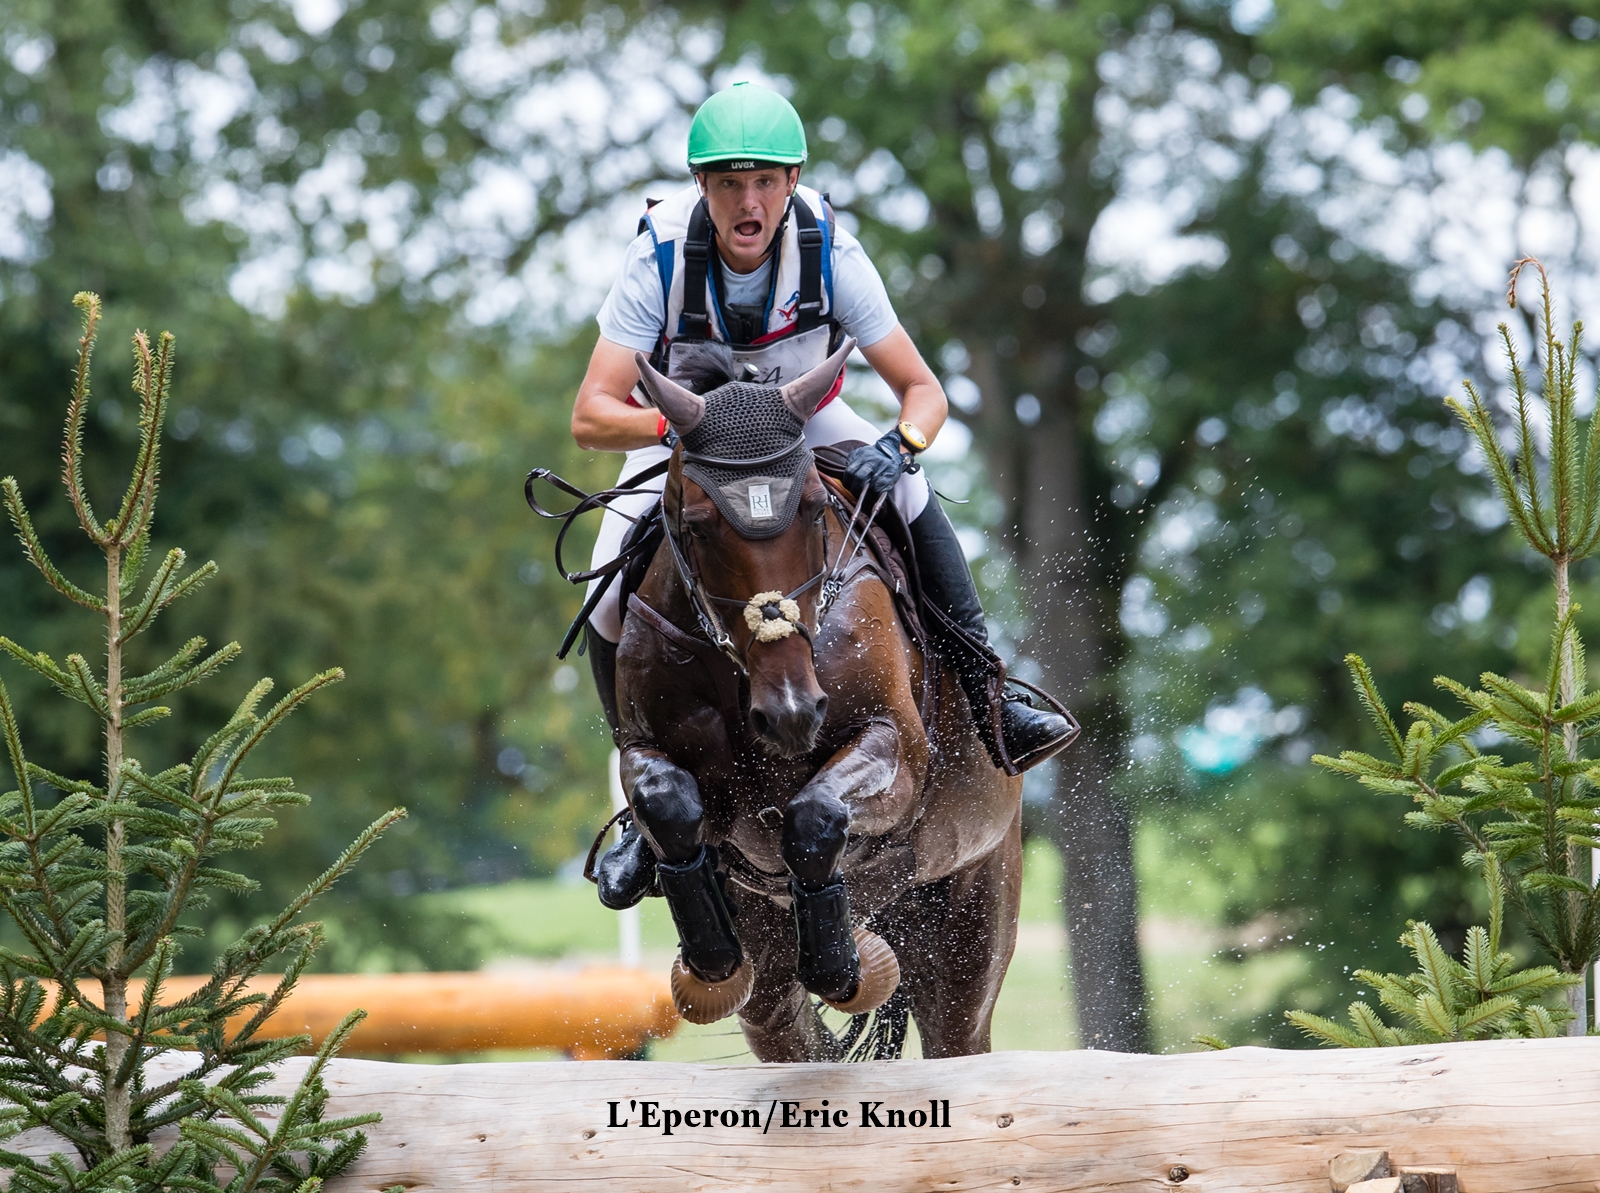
{"points": [[745, 207]]}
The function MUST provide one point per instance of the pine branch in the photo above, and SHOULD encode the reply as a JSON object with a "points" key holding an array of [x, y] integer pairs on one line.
{"points": [[15, 755], [152, 379], [275, 716], [11, 495], [1367, 690], [150, 687], [341, 865], [72, 447], [163, 591]]}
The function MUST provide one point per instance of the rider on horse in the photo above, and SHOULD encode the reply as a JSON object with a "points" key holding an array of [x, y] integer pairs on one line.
{"points": [[749, 258]]}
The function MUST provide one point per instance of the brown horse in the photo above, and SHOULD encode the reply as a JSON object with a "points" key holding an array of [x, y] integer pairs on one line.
{"points": [[778, 763]]}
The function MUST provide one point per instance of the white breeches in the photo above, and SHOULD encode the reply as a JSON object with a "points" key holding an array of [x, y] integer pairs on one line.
{"points": [[834, 423]]}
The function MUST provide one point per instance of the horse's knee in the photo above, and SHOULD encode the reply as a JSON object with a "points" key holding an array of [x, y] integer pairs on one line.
{"points": [[666, 806], [815, 829]]}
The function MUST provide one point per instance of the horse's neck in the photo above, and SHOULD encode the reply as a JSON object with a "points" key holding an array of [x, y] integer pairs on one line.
{"points": [[663, 590]]}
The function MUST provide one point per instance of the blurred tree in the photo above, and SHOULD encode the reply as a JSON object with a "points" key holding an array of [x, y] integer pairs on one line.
{"points": [[361, 452]]}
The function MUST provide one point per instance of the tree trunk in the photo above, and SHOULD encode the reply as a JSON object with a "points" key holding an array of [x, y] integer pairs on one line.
{"points": [[1073, 636]]}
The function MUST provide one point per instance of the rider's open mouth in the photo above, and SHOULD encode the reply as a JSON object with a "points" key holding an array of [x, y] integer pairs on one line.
{"points": [[748, 228]]}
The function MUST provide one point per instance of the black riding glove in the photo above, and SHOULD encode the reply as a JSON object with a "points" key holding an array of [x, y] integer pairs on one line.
{"points": [[875, 467]]}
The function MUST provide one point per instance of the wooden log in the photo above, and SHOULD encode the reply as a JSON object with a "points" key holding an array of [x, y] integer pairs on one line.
{"points": [[1429, 1179], [1351, 1168], [1382, 1184], [1508, 1117], [592, 1014]]}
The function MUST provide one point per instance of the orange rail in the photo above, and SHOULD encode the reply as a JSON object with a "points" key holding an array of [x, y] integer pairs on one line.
{"points": [[592, 1014]]}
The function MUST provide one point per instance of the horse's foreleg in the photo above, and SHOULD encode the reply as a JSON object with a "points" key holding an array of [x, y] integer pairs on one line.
{"points": [[850, 786], [666, 803], [780, 1021], [816, 827], [666, 806]]}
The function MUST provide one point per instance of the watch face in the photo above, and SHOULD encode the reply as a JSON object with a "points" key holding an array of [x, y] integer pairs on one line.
{"points": [[914, 438]]}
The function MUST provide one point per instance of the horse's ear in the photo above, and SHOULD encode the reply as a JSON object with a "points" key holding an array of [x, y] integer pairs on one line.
{"points": [[805, 393], [684, 408]]}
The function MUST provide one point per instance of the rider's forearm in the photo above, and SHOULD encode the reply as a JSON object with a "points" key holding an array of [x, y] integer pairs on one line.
{"points": [[924, 405], [601, 422]]}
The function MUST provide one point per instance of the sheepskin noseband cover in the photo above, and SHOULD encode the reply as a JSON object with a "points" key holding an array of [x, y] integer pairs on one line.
{"points": [[747, 422]]}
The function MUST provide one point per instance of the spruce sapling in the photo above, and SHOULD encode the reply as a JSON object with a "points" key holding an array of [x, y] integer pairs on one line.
{"points": [[1535, 815], [97, 874]]}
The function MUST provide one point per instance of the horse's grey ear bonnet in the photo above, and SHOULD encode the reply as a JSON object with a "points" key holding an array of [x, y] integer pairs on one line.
{"points": [[737, 422], [750, 422]]}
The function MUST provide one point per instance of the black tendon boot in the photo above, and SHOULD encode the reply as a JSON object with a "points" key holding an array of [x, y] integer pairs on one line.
{"points": [[1031, 734], [626, 872], [703, 917], [827, 963]]}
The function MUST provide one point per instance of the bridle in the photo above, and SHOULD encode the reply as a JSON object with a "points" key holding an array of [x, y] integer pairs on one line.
{"points": [[831, 577]]}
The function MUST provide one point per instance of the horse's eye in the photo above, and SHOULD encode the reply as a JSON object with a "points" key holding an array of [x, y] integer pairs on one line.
{"points": [[696, 530]]}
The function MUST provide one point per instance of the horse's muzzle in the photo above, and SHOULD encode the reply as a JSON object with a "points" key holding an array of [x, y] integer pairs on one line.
{"points": [[788, 718]]}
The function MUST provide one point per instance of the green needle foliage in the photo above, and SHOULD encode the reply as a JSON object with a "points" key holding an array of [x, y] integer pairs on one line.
{"points": [[97, 876], [1482, 996], [1535, 815]]}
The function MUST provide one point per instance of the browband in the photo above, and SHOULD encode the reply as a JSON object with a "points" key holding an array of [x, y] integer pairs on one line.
{"points": [[690, 457]]}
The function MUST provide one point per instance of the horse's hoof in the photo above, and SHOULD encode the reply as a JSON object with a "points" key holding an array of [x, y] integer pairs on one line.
{"points": [[700, 1001], [880, 975]]}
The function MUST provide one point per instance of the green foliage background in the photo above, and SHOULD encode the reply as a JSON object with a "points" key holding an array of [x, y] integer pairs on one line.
{"points": [[353, 463]]}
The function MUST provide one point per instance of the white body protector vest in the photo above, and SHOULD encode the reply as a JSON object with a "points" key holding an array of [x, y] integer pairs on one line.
{"points": [[798, 330]]}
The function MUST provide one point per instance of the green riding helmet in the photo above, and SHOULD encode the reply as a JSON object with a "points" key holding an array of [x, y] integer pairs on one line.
{"points": [[746, 127]]}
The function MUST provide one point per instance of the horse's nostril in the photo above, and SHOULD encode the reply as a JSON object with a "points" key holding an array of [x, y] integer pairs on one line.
{"points": [[822, 706], [759, 721]]}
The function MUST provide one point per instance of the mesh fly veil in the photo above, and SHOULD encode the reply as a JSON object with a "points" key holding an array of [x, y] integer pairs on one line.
{"points": [[742, 443], [748, 422]]}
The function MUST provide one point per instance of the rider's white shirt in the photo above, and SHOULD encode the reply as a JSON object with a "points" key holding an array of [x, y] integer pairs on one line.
{"points": [[633, 312]]}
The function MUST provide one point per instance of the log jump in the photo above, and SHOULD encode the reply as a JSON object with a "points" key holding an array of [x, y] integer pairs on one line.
{"points": [[1507, 1116], [596, 1013]]}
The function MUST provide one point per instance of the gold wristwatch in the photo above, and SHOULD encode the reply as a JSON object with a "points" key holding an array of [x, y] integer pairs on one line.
{"points": [[914, 439]]}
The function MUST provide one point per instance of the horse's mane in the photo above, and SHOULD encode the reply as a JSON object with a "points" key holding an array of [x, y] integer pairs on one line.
{"points": [[701, 365]]}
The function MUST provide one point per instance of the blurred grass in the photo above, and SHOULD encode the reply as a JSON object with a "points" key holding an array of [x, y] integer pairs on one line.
{"points": [[1197, 983]]}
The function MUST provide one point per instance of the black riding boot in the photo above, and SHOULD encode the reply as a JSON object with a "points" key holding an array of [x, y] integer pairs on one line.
{"points": [[703, 917], [626, 872], [603, 665], [826, 963], [1031, 734]]}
